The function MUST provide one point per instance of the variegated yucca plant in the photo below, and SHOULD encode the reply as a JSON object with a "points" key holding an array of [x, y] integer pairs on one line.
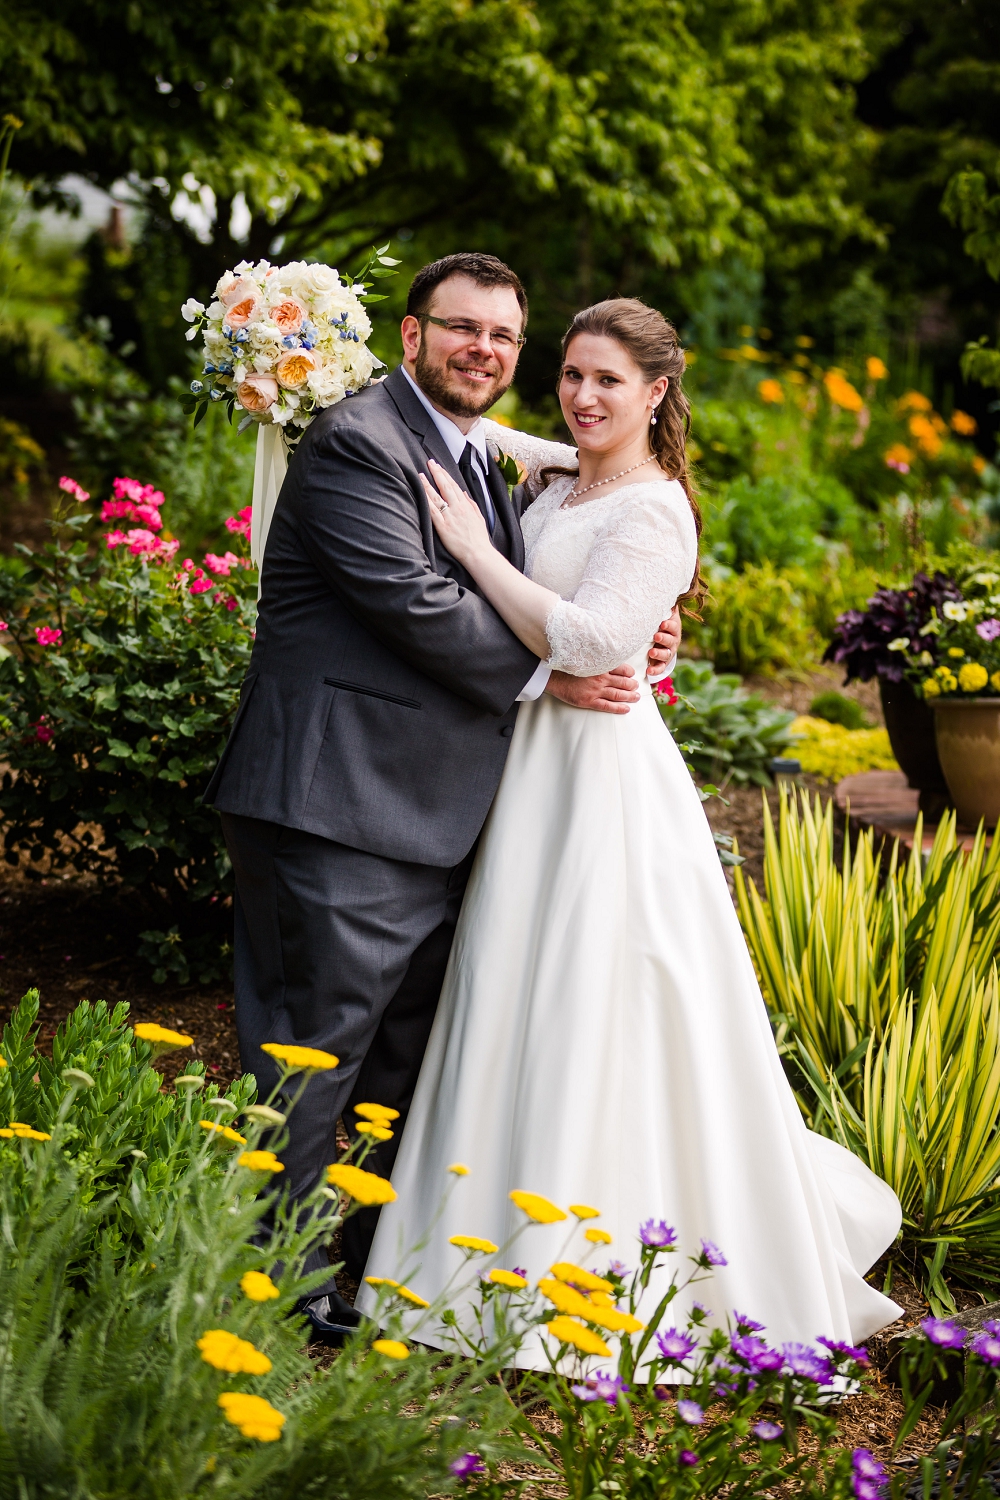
{"points": [[880, 976]]}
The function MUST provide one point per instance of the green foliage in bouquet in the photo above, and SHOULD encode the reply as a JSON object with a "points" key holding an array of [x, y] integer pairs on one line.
{"points": [[119, 681], [726, 735]]}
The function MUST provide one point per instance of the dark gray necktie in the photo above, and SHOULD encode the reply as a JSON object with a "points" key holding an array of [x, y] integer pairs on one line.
{"points": [[474, 483]]}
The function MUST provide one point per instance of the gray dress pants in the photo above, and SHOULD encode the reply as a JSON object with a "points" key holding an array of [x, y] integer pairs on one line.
{"points": [[345, 951]]}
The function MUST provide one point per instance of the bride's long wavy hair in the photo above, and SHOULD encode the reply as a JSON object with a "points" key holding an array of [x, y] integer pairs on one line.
{"points": [[652, 343]]}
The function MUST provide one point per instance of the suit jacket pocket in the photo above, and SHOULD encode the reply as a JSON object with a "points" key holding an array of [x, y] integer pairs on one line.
{"points": [[370, 692]]}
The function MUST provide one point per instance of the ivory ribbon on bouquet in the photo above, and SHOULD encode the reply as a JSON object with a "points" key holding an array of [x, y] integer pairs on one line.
{"points": [[269, 471]]}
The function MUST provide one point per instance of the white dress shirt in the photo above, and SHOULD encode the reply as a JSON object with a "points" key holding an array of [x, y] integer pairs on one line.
{"points": [[455, 440]]}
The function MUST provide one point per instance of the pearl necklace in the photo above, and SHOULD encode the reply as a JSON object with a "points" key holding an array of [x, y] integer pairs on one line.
{"points": [[575, 494]]}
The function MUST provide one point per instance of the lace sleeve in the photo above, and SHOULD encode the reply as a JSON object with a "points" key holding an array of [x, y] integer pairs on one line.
{"points": [[641, 560], [532, 453]]}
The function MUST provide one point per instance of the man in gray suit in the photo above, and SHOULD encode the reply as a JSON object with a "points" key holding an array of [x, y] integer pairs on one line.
{"points": [[373, 727]]}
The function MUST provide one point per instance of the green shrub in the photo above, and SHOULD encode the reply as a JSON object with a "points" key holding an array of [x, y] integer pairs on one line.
{"points": [[754, 621], [835, 708], [725, 734], [786, 522], [119, 682]]}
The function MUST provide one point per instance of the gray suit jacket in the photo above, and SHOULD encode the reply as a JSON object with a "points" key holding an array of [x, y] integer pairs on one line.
{"points": [[381, 695]]}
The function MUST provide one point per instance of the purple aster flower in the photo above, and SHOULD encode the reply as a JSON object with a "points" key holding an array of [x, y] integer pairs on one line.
{"points": [[745, 1324], [699, 1311], [690, 1412], [846, 1351], [992, 1326], [712, 1255], [686, 1457], [988, 630], [600, 1387], [869, 1479], [618, 1268], [864, 1462], [658, 1234], [768, 1432], [675, 1345], [661, 1392], [944, 1333], [801, 1360], [466, 1465], [519, 1271], [987, 1346], [757, 1355]]}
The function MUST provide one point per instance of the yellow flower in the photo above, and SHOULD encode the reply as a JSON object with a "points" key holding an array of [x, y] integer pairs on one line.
{"points": [[602, 1299], [379, 1114], [615, 1320], [381, 1281], [470, 1242], [224, 1131], [584, 1211], [568, 1300], [509, 1279], [963, 424], [597, 1236], [972, 678], [3, 1062], [931, 689], [876, 369], [378, 1132], [804, 341], [913, 401], [927, 436], [160, 1038], [565, 1298], [995, 682], [364, 1187], [841, 392], [255, 1417], [261, 1161], [948, 680], [537, 1207], [956, 651], [258, 1286], [898, 456], [771, 392], [8, 1135], [411, 1296], [225, 1351], [584, 1339], [978, 463], [567, 1271], [391, 1348], [27, 1132], [458, 1169], [298, 1058]]}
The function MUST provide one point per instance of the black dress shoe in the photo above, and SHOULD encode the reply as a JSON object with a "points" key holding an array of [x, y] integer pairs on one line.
{"points": [[331, 1317]]}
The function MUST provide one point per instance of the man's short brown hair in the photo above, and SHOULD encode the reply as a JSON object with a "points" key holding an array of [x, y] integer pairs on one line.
{"points": [[484, 270]]}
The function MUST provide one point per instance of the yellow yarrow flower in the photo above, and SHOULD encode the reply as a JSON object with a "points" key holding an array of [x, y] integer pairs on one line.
{"points": [[399, 1290], [379, 1132], [378, 1113], [567, 1271], [972, 678], [472, 1242], [225, 1351], [226, 1132], [458, 1170], [311, 1059], [584, 1339], [261, 1161], [875, 368], [364, 1187], [3, 1062], [258, 1286], [597, 1236], [8, 1135], [391, 1348], [536, 1207], [584, 1211], [566, 1299], [615, 1320], [381, 1281], [255, 1417], [509, 1279], [161, 1038], [28, 1132]]}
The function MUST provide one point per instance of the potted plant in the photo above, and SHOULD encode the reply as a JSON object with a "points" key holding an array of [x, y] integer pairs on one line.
{"points": [[877, 642], [960, 681]]}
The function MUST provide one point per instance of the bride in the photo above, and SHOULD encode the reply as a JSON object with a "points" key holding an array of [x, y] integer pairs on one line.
{"points": [[601, 1037]]}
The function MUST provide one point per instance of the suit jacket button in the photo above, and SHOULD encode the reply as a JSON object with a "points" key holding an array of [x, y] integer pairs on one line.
{"points": [[507, 731]]}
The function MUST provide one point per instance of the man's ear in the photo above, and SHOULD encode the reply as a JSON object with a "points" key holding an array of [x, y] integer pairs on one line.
{"points": [[409, 332]]}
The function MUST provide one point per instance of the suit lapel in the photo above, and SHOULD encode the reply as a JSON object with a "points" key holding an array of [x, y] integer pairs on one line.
{"points": [[419, 420], [506, 513]]}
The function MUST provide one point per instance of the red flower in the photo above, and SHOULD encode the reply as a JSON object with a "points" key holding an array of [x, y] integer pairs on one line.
{"points": [[47, 635], [665, 689]]}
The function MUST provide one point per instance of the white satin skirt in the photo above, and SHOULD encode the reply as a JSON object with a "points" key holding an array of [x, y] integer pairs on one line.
{"points": [[601, 1039]]}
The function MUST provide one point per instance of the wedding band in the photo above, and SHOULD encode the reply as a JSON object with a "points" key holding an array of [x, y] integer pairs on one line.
{"points": [[444, 505]]}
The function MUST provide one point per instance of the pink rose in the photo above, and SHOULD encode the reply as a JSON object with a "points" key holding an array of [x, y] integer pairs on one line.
{"points": [[42, 730], [139, 541], [47, 635], [240, 523], [243, 312], [236, 290], [257, 393], [293, 368], [150, 515], [114, 539], [289, 315], [71, 487], [201, 586]]}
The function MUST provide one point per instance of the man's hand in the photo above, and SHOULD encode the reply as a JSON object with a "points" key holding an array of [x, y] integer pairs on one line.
{"points": [[666, 644], [611, 693]]}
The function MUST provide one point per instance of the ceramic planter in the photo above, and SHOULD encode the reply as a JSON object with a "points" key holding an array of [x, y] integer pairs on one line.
{"points": [[910, 725], [968, 742]]}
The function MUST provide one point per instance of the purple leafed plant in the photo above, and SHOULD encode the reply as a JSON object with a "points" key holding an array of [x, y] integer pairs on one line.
{"points": [[861, 640]]}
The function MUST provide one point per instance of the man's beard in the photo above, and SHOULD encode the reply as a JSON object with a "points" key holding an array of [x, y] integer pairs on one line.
{"points": [[433, 381]]}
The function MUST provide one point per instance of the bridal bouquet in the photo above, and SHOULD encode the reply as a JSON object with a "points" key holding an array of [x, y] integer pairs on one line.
{"points": [[283, 342]]}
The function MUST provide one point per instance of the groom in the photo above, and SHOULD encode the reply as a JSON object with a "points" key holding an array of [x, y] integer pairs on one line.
{"points": [[373, 727]]}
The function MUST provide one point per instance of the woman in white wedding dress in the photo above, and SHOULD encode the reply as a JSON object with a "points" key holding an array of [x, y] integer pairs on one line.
{"points": [[601, 1036]]}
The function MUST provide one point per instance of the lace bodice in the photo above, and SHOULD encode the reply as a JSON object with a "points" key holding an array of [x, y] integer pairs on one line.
{"points": [[618, 561]]}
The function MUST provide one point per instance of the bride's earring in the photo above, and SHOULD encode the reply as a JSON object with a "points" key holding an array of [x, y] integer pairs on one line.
{"points": [[652, 420]]}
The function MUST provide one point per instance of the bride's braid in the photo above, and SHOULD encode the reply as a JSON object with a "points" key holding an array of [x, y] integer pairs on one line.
{"points": [[652, 343]]}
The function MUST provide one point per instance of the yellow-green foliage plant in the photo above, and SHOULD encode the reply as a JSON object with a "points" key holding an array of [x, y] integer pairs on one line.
{"points": [[880, 977], [831, 751]]}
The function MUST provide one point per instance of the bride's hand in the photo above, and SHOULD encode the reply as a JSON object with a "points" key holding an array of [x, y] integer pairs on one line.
{"points": [[458, 521]]}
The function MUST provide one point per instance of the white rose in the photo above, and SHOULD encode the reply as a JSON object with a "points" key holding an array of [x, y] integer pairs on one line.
{"points": [[326, 384]]}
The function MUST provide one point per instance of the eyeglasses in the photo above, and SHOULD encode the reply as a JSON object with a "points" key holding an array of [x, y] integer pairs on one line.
{"points": [[501, 338]]}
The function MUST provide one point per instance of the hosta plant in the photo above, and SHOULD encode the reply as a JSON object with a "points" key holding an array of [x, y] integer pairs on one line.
{"points": [[725, 734]]}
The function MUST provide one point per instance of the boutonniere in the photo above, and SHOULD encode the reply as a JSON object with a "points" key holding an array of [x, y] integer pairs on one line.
{"points": [[512, 471]]}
